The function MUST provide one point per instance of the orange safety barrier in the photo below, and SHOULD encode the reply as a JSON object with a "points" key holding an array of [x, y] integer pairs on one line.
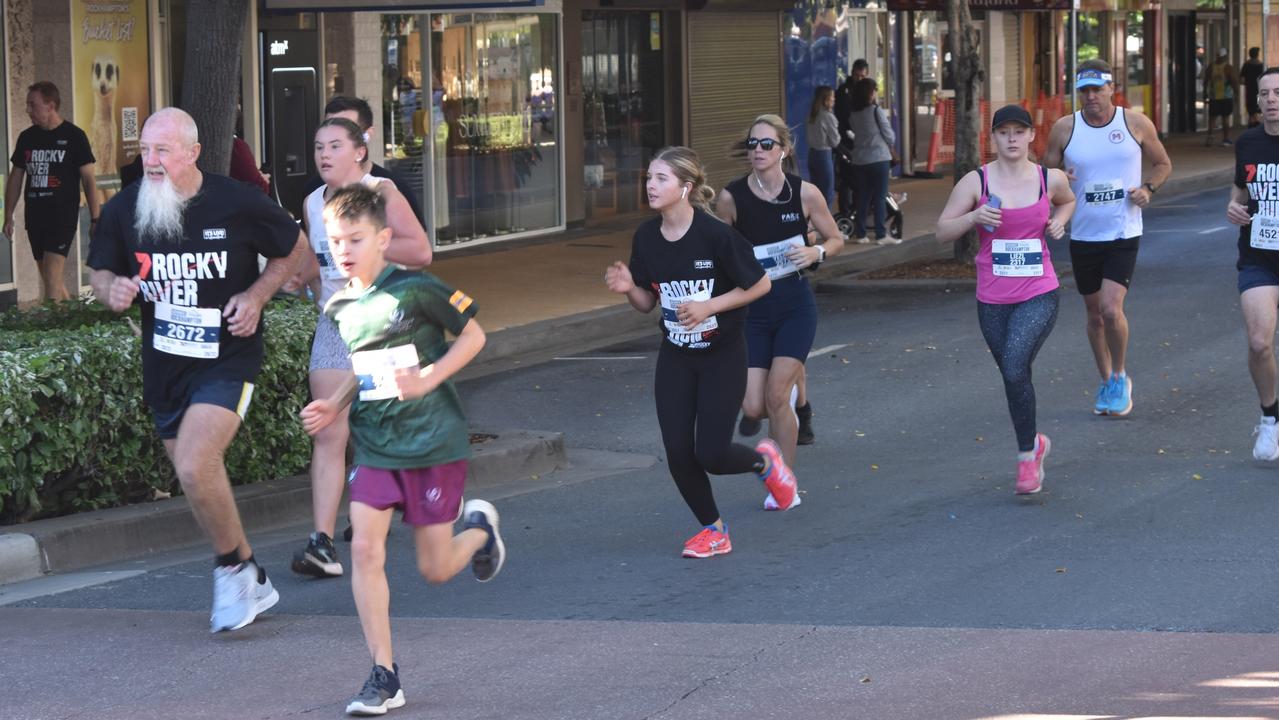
{"points": [[1044, 111], [941, 147]]}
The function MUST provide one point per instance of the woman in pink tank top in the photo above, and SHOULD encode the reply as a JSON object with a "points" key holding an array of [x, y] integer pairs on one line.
{"points": [[1015, 205]]}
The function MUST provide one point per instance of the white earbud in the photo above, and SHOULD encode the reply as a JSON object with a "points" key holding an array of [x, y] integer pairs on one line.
{"points": [[783, 157], [684, 194]]}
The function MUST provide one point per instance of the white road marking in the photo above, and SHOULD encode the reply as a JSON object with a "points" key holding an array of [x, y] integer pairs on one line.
{"points": [[827, 349], [607, 357], [1213, 229]]}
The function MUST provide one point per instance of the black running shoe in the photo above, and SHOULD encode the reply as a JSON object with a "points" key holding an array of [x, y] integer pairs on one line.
{"points": [[487, 561], [319, 559], [381, 692], [749, 426], [805, 415]]}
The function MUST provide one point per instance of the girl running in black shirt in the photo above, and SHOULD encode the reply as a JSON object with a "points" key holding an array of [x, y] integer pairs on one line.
{"points": [[702, 274]]}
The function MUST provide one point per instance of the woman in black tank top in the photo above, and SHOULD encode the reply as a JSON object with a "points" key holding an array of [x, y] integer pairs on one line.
{"points": [[773, 209]]}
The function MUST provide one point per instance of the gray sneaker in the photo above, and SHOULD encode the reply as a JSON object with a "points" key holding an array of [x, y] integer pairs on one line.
{"points": [[381, 692], [487, 561], [240, 593]]}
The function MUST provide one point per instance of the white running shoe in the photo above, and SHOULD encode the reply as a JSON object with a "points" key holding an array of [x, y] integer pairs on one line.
{"points": [[240, 594], [1267, 445], [770, 502]]}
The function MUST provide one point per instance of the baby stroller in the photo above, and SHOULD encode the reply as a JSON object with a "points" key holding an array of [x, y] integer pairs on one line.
{"points": [[892, 204]]}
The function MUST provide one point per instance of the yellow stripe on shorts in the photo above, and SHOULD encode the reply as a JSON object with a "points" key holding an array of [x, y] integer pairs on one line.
{"points": [[460, 301], [246, 395]]}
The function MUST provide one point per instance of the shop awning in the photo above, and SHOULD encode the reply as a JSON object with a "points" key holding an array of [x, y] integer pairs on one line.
{"points": [[390, 5], [1011, 5]]}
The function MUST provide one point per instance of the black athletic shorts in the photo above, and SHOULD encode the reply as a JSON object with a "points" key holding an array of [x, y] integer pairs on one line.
{"points": [[234, 395], [51, 239], [1221, 108], [1093, 262]]}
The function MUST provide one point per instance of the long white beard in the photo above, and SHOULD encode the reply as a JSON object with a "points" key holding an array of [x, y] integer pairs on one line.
{"points": [[159, 210]]}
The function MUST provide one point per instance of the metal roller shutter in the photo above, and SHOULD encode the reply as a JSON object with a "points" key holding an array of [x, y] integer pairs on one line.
{"points": [[735, 73]]}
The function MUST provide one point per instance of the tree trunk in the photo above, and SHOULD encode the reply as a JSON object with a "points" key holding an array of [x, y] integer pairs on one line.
{"points": [[211, 84], [965, 64]]}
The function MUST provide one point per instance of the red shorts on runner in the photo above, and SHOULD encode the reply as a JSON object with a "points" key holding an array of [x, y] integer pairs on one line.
{"points": [[428, 495]]}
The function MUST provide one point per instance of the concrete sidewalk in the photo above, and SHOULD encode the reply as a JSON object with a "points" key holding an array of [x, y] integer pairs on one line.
{"points": [[547, 297], [73, 542]]}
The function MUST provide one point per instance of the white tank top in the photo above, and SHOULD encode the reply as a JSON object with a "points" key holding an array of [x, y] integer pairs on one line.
{"points": [[331, 279], [1107, 164]]}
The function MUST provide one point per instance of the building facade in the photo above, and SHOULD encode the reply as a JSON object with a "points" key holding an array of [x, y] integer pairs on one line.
{"points": [[518, 118]]}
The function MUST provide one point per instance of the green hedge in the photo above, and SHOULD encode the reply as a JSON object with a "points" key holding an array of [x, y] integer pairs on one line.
{"points": [[75, 434]]}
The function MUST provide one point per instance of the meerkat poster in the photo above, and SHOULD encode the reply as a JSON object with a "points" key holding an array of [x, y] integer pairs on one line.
{"points": [[111, 78]]}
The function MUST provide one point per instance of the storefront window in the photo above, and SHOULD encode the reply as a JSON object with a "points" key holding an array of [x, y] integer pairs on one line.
{"points": [[624, 99], [474, 120], [822, 41]]}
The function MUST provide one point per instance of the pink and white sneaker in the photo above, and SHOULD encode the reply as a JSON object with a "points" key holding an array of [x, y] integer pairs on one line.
{"points": [[1030, 473], [777, 477]]}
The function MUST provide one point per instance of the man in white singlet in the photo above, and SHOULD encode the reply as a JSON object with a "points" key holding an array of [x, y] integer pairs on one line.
{"points": [[1101, 148]]}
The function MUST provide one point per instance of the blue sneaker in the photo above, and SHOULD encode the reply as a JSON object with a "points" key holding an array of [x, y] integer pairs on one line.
{"points": [[1120, 395], [1102, 404]]}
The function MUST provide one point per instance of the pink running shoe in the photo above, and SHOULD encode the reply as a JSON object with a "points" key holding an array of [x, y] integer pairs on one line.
{"points": [[708, 543], [777, 477], [1030, 473]]}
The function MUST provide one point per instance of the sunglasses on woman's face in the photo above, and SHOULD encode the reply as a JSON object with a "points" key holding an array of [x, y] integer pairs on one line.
{"points": [[765, 144]]}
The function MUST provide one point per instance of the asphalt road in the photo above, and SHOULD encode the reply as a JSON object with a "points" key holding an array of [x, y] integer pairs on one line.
{"points": [[911, 583]]}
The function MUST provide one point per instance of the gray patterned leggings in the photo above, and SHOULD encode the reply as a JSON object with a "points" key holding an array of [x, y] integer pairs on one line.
{"points": [[1014, 333]]}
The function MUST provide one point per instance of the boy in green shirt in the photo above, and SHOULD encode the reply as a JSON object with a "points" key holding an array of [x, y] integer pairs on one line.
{"points": [[410, 435]]}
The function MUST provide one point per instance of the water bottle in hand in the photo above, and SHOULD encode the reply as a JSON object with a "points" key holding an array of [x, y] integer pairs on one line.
{"points": [[993, 201]]}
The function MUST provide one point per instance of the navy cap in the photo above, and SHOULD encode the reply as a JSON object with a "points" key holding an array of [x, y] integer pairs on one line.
{"points": [[1011, 113]]}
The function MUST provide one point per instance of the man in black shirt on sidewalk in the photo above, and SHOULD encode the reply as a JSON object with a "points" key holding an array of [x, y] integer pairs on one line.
{"points": [[52, 159]]}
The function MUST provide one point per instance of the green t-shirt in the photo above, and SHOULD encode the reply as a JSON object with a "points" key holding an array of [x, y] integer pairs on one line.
{"points": [[399, 321]]}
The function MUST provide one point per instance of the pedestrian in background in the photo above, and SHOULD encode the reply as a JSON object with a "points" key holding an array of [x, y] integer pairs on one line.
{"points": [[843, 109], [1016, 206], [52, 161], [702, 274], [872, 160], [1250, 73], [1220, 86], [822, 133]]}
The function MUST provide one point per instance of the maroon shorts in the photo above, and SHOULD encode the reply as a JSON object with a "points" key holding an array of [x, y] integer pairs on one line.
{"points": [[428, 495]]}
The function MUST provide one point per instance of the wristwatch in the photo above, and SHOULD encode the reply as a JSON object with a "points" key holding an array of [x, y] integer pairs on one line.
{"points": [[821, 254], [1149, 187]]}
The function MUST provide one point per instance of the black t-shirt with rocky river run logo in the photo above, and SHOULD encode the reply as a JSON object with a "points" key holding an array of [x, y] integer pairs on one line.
{"points": [[52, 160], [709, 260], [187, 281]]}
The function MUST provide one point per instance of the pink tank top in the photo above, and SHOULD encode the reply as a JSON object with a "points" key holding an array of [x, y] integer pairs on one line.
{"points": [[1014, 264]]}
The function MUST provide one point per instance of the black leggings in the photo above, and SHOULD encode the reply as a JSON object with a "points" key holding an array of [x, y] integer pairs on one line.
{"points": [[1014, 333], [698, 396]]}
